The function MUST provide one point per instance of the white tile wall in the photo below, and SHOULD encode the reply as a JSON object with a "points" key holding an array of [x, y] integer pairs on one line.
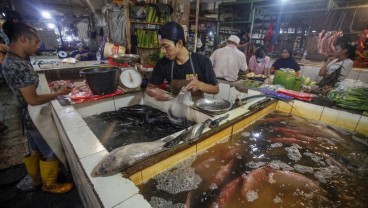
{"points": [[135, 201], [208, 95], [234, 94], [148, 100], [353, 75], [70, 118], [95, 107], [112, 190], [82, 136], [363, 76], [224, 91], [128, 99]]}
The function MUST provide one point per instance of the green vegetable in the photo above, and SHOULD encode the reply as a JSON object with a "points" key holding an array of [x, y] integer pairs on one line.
{"points": [[353, 98]]}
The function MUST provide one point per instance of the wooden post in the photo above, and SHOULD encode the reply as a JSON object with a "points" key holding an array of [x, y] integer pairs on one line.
{"points": [[196, 27], [127, 26]]}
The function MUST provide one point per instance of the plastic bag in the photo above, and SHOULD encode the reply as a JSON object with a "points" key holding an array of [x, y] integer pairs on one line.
{"points": [[350, 83], [180, 107]]}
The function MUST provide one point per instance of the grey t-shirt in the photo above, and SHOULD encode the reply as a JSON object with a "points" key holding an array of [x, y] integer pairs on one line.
{"points": [[347, 66], [19, 73]]}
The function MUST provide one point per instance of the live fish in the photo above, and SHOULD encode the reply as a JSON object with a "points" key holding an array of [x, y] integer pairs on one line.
{"points": [[223, 173], [189, 136], [286, 140], [289, 180], [126, 156], [227, 192]]}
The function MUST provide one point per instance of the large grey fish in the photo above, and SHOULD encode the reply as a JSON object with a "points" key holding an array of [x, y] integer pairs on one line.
{"points": [[126, 156]]}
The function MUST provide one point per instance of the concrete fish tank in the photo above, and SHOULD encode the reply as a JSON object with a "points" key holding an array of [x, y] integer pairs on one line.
{"points": [[281, 160], [275, 151]]}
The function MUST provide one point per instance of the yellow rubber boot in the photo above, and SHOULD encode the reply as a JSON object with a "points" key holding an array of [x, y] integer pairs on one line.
{"points": [[49, 174], [32, 164]]}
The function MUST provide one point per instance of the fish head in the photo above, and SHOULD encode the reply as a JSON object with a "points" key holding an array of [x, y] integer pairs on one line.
{"points": [[106, 167]]}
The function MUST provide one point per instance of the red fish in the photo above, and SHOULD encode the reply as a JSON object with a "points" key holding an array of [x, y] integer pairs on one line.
{"points": [[302, 137], [222, 174], [273, 119], [257, 178], [227, 192], [334, 162], [230, 154], [286, 140], [286, 130], [188, 200], [204, 164]]}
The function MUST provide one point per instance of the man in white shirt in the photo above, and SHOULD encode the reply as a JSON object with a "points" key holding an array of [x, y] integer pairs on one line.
{"points": [[228, 61]]}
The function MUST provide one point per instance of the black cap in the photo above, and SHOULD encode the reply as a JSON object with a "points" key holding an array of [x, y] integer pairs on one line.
{"points": [[172, 31]]}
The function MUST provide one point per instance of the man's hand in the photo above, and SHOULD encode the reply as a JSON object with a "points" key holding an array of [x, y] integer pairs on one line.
{"points": [[64, 91], [194, 85], [158, 94]]}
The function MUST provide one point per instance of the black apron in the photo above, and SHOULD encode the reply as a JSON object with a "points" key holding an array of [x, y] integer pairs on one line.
{"points": [[177, 84]]}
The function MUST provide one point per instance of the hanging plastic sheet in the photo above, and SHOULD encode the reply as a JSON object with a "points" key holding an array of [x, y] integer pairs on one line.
{"points": [[116, 23]]}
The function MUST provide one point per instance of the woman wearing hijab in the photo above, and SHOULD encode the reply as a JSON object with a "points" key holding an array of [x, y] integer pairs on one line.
{"points": [[286, 61], [259, 63]]}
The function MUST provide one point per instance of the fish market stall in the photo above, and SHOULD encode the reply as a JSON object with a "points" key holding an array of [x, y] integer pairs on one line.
{"points": [[87, 142]]}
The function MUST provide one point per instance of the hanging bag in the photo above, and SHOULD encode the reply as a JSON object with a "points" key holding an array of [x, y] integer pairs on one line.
{"points": [[331, 79]]}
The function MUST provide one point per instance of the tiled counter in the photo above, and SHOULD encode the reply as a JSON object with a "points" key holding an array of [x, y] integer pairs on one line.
{"points": [[84, 150]]}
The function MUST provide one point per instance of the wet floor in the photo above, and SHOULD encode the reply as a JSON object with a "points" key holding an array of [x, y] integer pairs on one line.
{"points": [[13, 146]]}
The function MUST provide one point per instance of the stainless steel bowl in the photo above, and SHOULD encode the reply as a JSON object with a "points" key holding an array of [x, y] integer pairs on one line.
{"points": [[213, 105], [125, 58]]}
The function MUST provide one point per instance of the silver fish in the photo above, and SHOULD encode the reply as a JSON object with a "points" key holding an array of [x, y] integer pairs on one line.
{"points": [[189, 136], [126, 156]]}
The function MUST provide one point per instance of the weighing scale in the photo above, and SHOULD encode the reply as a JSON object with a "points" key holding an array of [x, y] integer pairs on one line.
{"points": [[130, 78]]}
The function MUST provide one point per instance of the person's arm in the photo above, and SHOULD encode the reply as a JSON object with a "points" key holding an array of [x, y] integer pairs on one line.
{"points": [[208, 83], [243, 65], [30, 95], [323, 71], [251, 66], [157, 77], [158, 94], [195, 85], [266, 70]]}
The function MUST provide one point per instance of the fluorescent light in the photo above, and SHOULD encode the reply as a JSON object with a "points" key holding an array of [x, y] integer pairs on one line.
{"points": [[50, 25], [46, 15]]}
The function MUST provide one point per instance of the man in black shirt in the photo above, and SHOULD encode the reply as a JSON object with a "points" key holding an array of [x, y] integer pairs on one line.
{"points": [[180, 67]]}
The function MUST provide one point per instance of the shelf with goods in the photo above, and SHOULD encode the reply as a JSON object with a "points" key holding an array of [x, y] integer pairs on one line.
{"points": [[206, 31], [234, 18], [145, 21]]}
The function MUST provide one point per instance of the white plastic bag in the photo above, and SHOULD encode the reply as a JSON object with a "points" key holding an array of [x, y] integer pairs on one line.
{"points": [[180, 107]]}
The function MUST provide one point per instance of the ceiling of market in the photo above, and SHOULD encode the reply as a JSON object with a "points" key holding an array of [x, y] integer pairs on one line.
{"points": [[86, 7]]}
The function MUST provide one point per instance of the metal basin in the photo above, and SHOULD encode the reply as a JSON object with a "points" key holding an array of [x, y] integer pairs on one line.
{"points": [[213, 105], [125, 58]]}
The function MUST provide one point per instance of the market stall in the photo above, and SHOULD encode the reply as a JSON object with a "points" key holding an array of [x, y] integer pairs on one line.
{"points": [[265, 140]]}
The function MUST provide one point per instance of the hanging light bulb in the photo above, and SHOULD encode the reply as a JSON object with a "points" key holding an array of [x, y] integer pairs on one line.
{"points": [[50, 25], [46, 14]]}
